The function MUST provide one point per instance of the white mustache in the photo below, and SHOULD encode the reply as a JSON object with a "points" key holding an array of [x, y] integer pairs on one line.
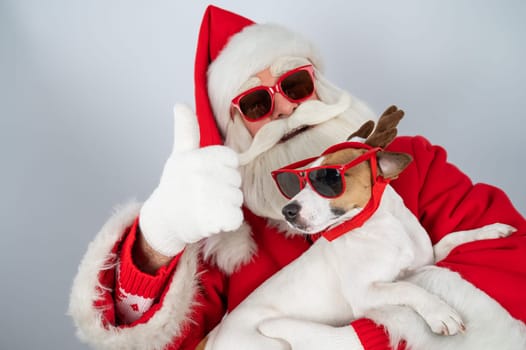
{"points": [[308, 113]]}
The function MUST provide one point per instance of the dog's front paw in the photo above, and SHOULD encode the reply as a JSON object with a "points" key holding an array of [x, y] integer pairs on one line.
{"points": [[442, 318], [497, 230]]}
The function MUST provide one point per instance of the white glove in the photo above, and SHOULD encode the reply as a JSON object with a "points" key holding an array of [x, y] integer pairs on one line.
{"points": [[199, 192], [306, 335]]}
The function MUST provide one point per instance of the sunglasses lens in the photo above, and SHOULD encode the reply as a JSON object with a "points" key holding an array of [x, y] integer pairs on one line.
{"points": [[256, 104], [327, 182], [289, 184], [298, 86]]}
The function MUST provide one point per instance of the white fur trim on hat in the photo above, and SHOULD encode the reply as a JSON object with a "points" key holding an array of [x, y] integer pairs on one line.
{"points": [[248, 52]]}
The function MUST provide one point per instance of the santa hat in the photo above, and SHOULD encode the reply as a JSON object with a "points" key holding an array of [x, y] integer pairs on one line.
{"points": [[230, 50]]}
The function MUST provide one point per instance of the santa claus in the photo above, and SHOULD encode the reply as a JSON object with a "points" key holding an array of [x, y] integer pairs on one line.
{"points": [[162, 274]]}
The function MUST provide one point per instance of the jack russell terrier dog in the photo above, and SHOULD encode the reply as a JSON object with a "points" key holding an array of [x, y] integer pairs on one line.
{"points": [[371, 241]]}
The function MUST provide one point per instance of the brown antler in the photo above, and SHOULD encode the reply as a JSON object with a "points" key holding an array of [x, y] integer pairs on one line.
{"points": [[385, 130], [365, 130]]}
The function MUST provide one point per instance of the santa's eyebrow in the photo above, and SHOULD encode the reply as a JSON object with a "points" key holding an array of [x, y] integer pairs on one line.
{"points": [[284, 64]]}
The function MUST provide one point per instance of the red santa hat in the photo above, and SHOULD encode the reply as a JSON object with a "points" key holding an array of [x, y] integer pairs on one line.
{"points": [[230, 50]]}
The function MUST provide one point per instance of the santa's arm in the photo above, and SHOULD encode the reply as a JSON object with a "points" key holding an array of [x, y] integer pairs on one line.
{"points": [[479, 278], [174, 308], [445, 200]]}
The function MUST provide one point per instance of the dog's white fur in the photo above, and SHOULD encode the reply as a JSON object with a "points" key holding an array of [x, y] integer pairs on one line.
{"points": [[335, 282], [488, 325]]}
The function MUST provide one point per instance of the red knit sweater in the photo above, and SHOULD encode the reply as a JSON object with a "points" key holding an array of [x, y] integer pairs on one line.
{"points": [[443, 199]]}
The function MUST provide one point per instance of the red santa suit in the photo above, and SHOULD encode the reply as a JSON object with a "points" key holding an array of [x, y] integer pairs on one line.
{"points": [[183, 301]]}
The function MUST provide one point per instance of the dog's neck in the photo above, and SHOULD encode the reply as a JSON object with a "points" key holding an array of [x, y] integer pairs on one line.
{"points": [[359, 219]]}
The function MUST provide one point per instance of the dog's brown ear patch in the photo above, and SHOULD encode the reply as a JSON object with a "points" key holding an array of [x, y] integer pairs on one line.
{"points": [[391, 164], [385, 130]]}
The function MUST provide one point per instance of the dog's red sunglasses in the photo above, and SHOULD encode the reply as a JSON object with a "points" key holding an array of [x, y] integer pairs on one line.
{"points": [[296, 85], [327, 180]]}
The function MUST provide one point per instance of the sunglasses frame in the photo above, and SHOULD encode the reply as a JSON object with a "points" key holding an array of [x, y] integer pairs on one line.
{"points": [[272, 90], [303, 174]]}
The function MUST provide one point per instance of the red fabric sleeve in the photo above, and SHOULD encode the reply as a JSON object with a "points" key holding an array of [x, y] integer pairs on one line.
{"points": [[144, 288], [372, 336], [207, 309], [448, 201], [209, 303]]}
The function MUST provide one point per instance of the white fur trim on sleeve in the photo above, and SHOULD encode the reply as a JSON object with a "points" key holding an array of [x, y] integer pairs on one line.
{"points": [[162, 327], [488, 324], [230, 250]]}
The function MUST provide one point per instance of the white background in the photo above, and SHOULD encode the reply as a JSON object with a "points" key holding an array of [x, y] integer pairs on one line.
{"points": [[87, 89]]}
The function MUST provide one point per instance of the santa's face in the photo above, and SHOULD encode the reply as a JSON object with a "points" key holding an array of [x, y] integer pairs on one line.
{"points": [[283, 107], [293, 131]]}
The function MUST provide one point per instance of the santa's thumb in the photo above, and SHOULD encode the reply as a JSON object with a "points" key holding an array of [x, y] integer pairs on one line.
{"points": [[186, 129]]}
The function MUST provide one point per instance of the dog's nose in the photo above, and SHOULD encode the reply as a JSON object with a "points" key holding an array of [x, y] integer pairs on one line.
{"points": [[291, 210]]}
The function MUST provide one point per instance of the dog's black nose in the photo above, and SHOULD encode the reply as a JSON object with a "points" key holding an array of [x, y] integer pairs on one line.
{"points": [[291, 210]]}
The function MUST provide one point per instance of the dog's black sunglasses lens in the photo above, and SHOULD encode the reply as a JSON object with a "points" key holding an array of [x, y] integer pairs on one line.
{"points": [[326, 181], [289, 184]]}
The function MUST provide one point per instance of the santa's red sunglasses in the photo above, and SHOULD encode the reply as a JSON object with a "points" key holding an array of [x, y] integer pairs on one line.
{"points": [[296, 85], [327, 180]]}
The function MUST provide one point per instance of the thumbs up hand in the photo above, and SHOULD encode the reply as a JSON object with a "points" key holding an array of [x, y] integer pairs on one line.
{"points": [[199, 192]]}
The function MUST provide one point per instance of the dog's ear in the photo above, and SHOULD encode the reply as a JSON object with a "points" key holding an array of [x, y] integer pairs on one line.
{"points": [[385, 130], [391, 164], [365, 130]]}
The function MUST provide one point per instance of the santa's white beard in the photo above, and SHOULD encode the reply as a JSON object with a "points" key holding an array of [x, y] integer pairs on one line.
{"points": [[309, 113], [330, 124]]}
